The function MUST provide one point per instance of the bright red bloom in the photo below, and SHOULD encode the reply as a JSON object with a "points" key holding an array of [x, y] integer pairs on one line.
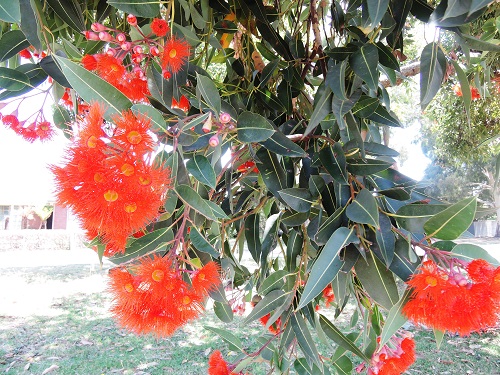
{"points": [[108, 180], [159, 27], [206, 279], [463, 301], [457, 89], [328, 295], [217, 365], [394, 359], [110, 69], [89, 62], [25, 53], [175, 54], [44, 130], [475, 93], [274, 328], [248, 166], [11, 121]]}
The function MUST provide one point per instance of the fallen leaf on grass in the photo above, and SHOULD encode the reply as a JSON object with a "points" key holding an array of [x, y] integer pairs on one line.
{"points": [[86, 342], [27, 366], [50, 369]]}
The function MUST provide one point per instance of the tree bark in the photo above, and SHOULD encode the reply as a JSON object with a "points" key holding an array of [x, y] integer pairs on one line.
{"points": [[409, 70]]}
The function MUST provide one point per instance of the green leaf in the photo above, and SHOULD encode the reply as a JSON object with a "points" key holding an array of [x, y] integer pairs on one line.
{"points": [[292, 218], [322, 107], [397, 193], [377, 280], [386, 57], [140, 8], [335, 79], [378, 149], [156, 240], [376, 10], [366, 106], [252, 228], [340, 107], [382, 116], [453, 221], [206, 88], [201, 169], [477, 44], [233, 341], [364, 209], [201, 244], [464, 84], [272, 172], [281, 145], [11, 43], [385, 239], [333, 159], [365, 167], [305, 339], [395, 319], [13, 80], [298, 199], [475, 5], [364, 63], [469, 252], [270, 302], [192, 199], [273, 282], [70, 12], [61, 117], [336, 335], [152, 114], [326, 265], [412, 217], [10, 11], [54, 71], [438, 336], [223, 311], [92, 88], [253, 127], [294, 247], [30, 22], [329, 226], [432, 69]]}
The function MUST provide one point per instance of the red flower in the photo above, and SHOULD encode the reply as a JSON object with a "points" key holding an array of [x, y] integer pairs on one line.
{"points": [[175, 54], [89, 62], [160, 27], [248, 166], [328, 295], [110, 69], [475, 93], [462, 301], [44, 130], [274, 328], [11, 121], [217, 365], [206, 279], [457, 89], [25, 53], [394, 359]]}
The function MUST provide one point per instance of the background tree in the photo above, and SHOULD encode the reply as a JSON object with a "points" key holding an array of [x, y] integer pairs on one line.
{"points": [[197, 123]]}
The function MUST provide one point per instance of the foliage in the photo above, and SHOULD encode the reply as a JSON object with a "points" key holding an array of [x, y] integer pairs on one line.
{"points": [[286, 135]]}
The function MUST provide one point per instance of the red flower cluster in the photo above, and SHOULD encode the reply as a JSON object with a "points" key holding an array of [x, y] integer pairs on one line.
{"points": [[457, 89], [156, 299], [394, 359], [42, 130], [218, 366], [108, 180], [111, 69], [159, 27], [248, 166], [328, 295], [463, 301]]}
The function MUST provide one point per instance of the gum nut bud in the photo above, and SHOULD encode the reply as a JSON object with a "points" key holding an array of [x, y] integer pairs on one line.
{"points": [[138, 58], [105, 37], [224, 117], [207, 126], [110, 52], [139, 73], [121, 37], [138, 49], [126, 46], [90, 35], [154, 51], [97, 27], [213, 141], [132, 20]]}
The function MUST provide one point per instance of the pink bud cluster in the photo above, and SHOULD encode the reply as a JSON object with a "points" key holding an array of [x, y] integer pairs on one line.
{"points": [[223, 125]]}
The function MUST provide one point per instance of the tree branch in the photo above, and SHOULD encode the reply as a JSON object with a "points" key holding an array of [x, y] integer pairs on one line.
{"points": [[409, 70]]}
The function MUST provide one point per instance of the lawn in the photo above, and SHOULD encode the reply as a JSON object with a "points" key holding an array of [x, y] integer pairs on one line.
{"points": [[54, 320]]}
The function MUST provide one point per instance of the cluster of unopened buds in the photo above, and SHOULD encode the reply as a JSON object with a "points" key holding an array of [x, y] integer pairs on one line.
{"points": [[223, 125]]}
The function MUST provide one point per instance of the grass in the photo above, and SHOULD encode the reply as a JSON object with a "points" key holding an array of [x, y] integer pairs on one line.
{"points": [[56, 318]]}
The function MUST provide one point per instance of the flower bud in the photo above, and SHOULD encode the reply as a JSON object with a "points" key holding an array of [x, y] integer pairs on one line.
{"points": [[126, 46], [97, 27], [207, 126], [90, 35], [138, 49], [213, 141], [121, 37], [132, 20], [224, 117], [154, 51], [105, 36]]}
